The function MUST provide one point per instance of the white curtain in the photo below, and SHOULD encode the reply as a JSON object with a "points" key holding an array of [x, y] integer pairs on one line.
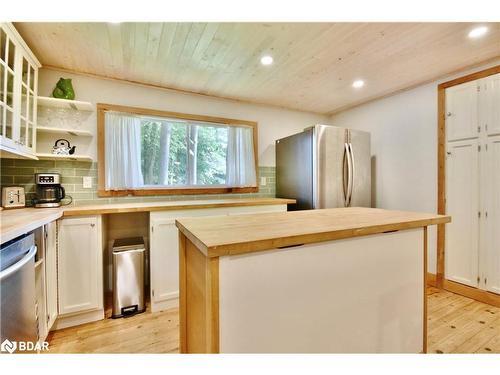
{"points": [[240, 157], [122, 152]]}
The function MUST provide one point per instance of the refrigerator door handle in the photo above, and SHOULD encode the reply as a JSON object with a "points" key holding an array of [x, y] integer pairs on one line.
{"points": [[351, 174], [347, 174]]}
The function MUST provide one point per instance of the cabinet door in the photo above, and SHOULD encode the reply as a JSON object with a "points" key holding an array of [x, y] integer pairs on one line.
{"points": [[40, 305], [461, 111], [462, 203], [490, 108], [79, 265], [28, 106], [51, 272], [164, 264], [492, 264], [164, 250], [7, 64]]}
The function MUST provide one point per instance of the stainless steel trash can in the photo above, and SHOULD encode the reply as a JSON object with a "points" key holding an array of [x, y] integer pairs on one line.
{"points": [[128, 277]]}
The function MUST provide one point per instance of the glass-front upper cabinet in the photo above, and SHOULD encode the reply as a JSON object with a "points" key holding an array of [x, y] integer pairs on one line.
{"points": [[7, 58], [28, 104], [18, 94]]}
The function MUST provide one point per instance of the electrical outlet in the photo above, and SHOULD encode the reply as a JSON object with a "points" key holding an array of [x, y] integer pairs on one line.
{"points": [[263, 181], [87, 182]]}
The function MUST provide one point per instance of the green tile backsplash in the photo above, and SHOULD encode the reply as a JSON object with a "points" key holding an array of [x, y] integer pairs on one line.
{"points": [[16, 172]]}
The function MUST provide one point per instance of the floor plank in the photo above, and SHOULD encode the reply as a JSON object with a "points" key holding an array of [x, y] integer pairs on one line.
{"points": [[457, 324]]}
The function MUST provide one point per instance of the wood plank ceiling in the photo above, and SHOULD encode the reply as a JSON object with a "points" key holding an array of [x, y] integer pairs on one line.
{"points": [[314, 63]]}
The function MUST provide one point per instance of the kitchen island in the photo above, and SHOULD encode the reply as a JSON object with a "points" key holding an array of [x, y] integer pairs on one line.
{"points": [[348, 280]]}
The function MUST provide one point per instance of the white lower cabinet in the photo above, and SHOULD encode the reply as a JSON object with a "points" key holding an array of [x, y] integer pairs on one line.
{"points": [[80, 267], [164, 249]]}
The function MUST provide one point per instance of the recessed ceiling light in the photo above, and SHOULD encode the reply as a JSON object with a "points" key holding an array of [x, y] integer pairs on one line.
{"points": [[266, 60], [478, 32], [358, 83]]}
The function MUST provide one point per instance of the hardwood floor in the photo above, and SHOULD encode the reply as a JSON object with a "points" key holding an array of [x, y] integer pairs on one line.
{"points": [[459, 324], [456, 325], [143, 333]]}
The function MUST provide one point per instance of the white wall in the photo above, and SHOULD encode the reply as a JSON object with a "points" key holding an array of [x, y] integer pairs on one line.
{"points": [[273, 122], [404, 148]]}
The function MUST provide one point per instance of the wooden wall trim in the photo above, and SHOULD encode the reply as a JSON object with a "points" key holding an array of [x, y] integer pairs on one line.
{"points": [[424, 336], [431, 279], [471, 77], [441, 203], [441, 152], [101, 167], [467, 291], [170, 114], [474, 293]]}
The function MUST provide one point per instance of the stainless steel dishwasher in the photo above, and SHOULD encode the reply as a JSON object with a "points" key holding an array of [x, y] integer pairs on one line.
{"points": [[128, 277], [17, 289]]}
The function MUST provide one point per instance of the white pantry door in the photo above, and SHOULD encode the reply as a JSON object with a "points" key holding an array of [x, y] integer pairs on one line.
{"points": [[491, 115], [462, 203], [461, 111], [492, 264]]}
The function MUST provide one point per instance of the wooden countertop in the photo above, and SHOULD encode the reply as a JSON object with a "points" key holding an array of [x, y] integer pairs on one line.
{"points": [[229, 235], [15, 222], [115, 208]]}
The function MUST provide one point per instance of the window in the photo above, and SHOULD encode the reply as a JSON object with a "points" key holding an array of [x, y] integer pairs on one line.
{"points": [[145, 152]]}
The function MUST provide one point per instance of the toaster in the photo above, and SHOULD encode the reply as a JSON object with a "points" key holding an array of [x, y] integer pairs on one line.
{"points": [[13, 197]]}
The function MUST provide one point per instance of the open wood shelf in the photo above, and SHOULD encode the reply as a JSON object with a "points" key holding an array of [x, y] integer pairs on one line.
{"points": [[47, 156], [76, 132], [45, 101]]}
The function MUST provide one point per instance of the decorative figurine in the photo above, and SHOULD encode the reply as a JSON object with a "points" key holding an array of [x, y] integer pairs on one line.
{"points": [[64, 89]]}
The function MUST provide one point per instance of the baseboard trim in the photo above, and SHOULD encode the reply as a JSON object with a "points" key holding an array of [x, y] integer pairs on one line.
{"points": [[431, 279], [165, 305], [474, 293], [75, 320], [466, 291]]}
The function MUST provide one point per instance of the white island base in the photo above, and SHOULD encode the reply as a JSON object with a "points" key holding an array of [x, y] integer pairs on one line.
{"points": [[355, 295]]}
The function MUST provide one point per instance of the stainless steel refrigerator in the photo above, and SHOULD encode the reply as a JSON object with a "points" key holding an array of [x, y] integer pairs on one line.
{"points": [[324, 167]]}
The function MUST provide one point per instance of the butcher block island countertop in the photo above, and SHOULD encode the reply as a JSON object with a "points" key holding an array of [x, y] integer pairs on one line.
{"points": [[15, 222], [241, 234], [342, 280]]}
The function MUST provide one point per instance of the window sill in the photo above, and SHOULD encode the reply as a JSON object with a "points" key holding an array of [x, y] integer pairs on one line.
{"points": [[178, 191]]}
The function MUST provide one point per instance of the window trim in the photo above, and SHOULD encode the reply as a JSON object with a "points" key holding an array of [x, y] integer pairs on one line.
{"points": [[102, 108]]}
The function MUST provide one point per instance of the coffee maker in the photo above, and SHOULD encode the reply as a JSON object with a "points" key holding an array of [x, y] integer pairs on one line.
{"points": [[49, 191]]}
